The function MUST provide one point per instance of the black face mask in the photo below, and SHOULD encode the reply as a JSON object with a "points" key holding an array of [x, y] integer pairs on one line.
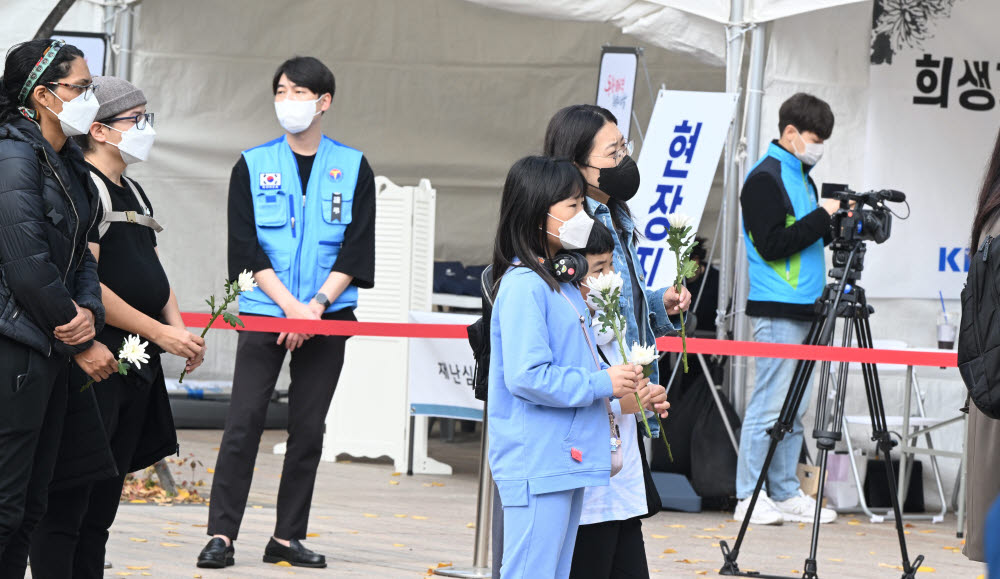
{"points": [[620, 182]]}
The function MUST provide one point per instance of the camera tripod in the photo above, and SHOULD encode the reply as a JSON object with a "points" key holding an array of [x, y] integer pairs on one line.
{"points": [[840, 299]]}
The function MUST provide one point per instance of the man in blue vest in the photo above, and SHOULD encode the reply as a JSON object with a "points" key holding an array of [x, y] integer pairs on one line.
{"points": [[302, 219], [786, 228]]}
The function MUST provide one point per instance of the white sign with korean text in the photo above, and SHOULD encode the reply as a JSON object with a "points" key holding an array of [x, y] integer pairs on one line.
{"points": [[441, 371], [616, 84], [932, 122], [676, 166]]}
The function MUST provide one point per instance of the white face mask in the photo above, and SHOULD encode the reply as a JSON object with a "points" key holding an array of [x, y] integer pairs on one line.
{"points": [[573, 234], [135, 144], [812, 152], [77, 115], [295, 116]]}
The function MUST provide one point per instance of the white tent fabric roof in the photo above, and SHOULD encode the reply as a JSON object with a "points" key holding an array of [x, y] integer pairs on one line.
{"points": [[687, 26]]}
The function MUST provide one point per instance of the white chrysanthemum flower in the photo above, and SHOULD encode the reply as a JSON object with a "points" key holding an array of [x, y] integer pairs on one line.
{"points": [[642, 355], [133, 352], [679, 220], [605, 283], [246, 282]]}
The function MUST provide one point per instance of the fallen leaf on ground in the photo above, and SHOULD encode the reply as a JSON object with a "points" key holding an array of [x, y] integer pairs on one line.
{"points": [[205, 525], [419, 517], [138, 501], [396, 474], [313, 535], [369, 515], [138, 567], [853, 522], [398, 545], [394, 482], [437, 484], [169, 545], [677, 526], [137, 540], [210, 470], [400, 516], [928, 531], [470, 525], [784, 557], [669, 551], [283, 564], [660, 536], [924, 569]]}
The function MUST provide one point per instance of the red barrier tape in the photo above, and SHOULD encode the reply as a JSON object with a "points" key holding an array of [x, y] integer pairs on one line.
{"points": [[694, 345]]}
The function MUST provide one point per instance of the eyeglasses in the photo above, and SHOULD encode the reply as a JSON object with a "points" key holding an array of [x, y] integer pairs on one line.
{"points": [[140, 120], [620, 153], [87, 89]]}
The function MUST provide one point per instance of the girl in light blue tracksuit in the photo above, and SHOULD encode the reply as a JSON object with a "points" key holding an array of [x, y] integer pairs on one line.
{"points": [[548, 420]]}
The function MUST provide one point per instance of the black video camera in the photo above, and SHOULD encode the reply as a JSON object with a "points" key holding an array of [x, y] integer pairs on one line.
{"points": [[858, 223]]}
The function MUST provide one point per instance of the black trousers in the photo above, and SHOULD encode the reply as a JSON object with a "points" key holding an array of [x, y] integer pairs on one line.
{"points": [[33, 394], [71, 538], [315, 369], [610, 550]]}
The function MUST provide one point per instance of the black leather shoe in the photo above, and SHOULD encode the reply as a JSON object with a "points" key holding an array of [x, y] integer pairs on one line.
{"points": [[216, 555], [296, 555]]}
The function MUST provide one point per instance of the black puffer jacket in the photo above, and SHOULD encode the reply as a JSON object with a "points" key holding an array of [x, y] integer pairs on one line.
{"points": [[47, 206]]}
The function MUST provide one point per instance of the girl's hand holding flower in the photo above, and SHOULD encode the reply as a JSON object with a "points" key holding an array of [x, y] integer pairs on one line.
{"points": [[624, 379]]}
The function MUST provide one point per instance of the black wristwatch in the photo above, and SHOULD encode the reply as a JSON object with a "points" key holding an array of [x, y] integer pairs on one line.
{"points": [[322, 300]]}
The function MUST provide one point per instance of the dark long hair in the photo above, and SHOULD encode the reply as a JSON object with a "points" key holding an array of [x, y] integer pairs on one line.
{"points": [[989, 197], [534, 184], [570, 135], [21, 59]]}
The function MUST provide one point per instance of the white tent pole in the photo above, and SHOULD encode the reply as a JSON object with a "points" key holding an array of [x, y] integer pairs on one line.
{"points": [[755, 94], [730, 182]]}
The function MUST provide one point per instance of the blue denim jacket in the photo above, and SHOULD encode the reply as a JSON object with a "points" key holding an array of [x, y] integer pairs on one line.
{"points": [[657, 323]]}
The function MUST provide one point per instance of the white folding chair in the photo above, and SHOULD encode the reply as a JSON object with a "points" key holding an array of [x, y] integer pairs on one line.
{"points": [[911, 428]]}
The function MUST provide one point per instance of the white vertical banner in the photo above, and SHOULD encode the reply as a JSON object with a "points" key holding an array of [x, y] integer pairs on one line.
{"points": [[616, 83], [677, 164], [932, 121]]}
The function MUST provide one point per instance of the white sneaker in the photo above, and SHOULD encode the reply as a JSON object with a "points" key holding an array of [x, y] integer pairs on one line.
{"points": [[802, 509], [764, 513]]}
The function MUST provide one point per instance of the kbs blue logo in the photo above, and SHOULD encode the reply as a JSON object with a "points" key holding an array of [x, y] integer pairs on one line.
{"points": [[950, 257]]}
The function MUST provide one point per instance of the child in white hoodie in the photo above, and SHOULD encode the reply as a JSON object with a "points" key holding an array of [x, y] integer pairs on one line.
{"points": [[610, 523]]}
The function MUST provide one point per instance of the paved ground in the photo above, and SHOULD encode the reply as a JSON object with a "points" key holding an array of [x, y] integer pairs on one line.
{"points": [[372, 523]]}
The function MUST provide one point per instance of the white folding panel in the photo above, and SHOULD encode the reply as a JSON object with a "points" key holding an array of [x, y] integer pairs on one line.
{"points": [[370, 414]]}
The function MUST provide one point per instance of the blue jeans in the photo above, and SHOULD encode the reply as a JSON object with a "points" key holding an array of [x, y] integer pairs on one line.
{"points": [[773, 379]]}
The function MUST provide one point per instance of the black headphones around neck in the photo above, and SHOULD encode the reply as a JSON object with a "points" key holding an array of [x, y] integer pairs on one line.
{"points": [[567, 267]]}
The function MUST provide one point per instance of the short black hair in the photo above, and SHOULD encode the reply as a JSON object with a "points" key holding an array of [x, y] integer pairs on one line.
{"points": [[308, 72], [806, 113], [601, 240], [699, 251]]}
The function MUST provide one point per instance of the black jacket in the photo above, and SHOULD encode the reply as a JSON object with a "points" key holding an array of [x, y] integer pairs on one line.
{"points": [[47, 207]]}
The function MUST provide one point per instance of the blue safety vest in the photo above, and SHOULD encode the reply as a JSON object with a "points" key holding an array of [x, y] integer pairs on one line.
{"points": [[799, 278], [301, 235]]}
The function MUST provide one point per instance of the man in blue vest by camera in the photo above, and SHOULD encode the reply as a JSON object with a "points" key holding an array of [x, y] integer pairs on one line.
{"points": [[786, 228], [302, 219]]}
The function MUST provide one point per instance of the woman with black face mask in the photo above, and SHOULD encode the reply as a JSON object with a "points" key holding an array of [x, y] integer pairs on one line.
{"points": [[609, 541]]}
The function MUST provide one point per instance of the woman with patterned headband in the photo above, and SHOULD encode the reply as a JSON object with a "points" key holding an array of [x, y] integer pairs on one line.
{"points": [[50, 298]]}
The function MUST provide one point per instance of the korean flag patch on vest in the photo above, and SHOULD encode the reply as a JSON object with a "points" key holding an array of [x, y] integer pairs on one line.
{"points": [[270, 180]]}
